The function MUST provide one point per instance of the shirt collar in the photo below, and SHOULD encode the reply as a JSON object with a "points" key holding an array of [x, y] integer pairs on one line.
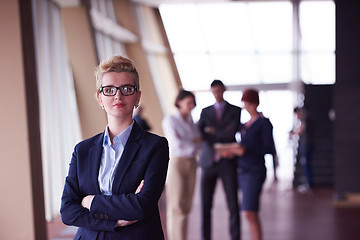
{"points": [[122, 137], [220, 105], [178, 115]]}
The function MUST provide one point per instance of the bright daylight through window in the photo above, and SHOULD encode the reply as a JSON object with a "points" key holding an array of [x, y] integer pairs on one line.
{"points": [[251, 43], [261, 43]]}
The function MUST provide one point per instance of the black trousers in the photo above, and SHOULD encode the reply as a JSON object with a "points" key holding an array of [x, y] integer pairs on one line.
{"points": [[225, 169]]}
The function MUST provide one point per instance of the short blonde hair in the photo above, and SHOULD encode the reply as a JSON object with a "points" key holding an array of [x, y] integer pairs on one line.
{"points": [[116, 64]]}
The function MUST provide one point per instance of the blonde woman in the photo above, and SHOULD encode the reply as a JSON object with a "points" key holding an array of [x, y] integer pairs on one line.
{"points": [[116, 177]]}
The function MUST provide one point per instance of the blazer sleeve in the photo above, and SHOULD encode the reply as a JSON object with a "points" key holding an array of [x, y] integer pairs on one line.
{"points": [[204, 122], [72, 213], [133, 206]]}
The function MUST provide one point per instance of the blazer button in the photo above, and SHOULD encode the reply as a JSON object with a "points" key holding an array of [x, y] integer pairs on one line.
{"points": [[101, 216], [106, 216], [96, 215]]}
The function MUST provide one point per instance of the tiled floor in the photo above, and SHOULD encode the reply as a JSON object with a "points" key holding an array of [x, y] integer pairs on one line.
{"points": [[285, 213]]}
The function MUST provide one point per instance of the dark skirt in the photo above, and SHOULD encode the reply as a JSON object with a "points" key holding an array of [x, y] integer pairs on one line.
{"points": [[250, 184]]}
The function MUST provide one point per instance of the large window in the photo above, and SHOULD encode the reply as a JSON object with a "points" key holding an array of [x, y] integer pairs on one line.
{"points": [[272, 46], [317, 42], [238, 42], [252, 42]]}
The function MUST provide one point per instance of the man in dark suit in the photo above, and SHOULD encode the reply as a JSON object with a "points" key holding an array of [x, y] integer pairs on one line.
{"points": [[218, 124]]}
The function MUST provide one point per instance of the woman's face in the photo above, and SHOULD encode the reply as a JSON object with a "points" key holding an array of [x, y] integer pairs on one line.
{"points": [[250, 106], [186, 105], [119, 106]]}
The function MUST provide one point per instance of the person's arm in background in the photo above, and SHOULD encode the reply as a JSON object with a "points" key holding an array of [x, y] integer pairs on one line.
{"points": [[170, 130], [206, 129]]}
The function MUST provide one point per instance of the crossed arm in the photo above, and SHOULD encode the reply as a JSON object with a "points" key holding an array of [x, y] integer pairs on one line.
{"points": [[86, 203], [121, 210]]}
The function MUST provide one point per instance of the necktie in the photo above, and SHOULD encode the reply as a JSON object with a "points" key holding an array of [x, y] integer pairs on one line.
{"points": [[218, 112]]}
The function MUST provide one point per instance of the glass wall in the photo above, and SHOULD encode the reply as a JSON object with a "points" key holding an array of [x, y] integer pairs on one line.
{"points": [[272, 46], [251, 43], [317, 42]]}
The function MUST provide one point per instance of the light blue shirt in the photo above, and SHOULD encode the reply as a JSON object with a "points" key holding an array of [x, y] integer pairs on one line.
{"points": [[220, 106], [110, 158]]}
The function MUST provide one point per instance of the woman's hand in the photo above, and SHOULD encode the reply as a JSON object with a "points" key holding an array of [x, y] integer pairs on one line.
{"points": [[86, 202], [124, 223], [238, 150], [140, 187], [227, 154]]}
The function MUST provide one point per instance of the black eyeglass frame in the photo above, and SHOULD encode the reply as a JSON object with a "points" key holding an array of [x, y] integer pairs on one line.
{"points": [[119, 88]]}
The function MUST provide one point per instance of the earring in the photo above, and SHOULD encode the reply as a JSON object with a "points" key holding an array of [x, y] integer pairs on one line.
{"points": [[137, 105], [102, 107]]}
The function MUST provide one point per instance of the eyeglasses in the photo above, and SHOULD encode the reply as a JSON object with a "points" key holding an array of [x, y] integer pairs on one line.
{"points": [[126, 90]]}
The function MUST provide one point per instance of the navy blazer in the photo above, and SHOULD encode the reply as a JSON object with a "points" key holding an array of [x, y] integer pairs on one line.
{"points": [[258, 141], [225, 130], [145, 157]]}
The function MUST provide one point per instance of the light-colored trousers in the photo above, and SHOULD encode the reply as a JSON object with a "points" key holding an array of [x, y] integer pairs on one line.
{"points": [[180, 185]]}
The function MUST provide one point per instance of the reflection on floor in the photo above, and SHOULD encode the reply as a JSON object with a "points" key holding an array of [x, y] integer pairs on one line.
{"points": [[286, 214]]}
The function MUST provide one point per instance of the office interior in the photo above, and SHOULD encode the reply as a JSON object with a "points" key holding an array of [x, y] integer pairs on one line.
{"points": [[49, 51]]}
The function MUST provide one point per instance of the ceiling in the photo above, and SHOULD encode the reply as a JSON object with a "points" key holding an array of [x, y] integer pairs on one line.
{"points": [[158, 2]]}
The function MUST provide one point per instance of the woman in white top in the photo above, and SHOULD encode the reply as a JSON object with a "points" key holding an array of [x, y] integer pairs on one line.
{"points": [[184, 140]]}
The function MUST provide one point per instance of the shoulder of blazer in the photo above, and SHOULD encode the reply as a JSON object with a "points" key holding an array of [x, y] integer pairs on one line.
{"points": [[266, 122], [208, 108], [142, 136], [97, 139], [232, 106], [262, 123]]}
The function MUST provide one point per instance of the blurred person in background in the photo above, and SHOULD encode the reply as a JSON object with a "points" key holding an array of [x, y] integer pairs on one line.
{"points": [[139, 118], [256, 142], [218, 124], [304, 130], [184, 142]]}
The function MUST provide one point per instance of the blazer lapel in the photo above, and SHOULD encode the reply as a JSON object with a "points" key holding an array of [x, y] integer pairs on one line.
{"points": [[213, 114], [225, 112], [95, 153], [127, 157]]}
